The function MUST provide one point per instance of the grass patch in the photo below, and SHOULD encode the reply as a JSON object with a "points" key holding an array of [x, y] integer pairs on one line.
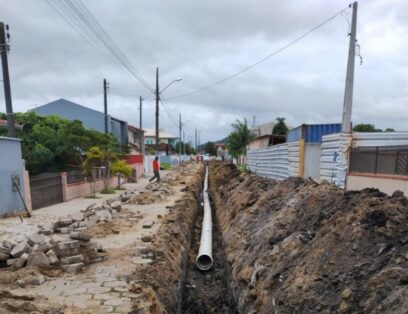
{"points": [[107, 191], [165, 166], [119, 189]]}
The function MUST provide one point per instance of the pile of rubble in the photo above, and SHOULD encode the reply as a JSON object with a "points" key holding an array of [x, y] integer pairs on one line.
{"points": [[156, 192], [64, 242]]}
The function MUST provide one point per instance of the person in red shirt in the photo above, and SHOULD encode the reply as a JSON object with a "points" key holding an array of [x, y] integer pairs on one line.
{"points": [[156, 170]]}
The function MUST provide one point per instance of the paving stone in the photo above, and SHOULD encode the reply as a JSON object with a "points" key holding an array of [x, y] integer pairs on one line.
{"points": [[35, 248], [9, 243], [73, 268], [56, 238], [68, 252], [21, 260], [125, 307], [11, 261], [114, 284], [146, 239], [80, 236], [131, 295], [35, 280], [113, 302], [107, 309], [148, 224], [106, 296], [116, 205], [72, 259], [142, 261], [36, 238], [52, 257], [5, 250], [19, 249], [77, 291], [46, 231], [103, 215], [63, 222], [38, 258], [64, 230], [68, 245]]}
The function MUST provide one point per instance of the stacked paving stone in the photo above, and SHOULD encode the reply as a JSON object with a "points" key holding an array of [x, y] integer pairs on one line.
{"points": [[42, 250], [60, 243]]}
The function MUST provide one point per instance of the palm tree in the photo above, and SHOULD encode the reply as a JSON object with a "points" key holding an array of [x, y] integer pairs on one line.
{"points": [[239, 139]]}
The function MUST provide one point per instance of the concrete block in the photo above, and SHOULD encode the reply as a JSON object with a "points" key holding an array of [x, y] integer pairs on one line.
{"points": [[19, 249], [146, 239], [97, 246], [148, 224], [52, 257], [36, 238], [68, 245], [56, 238], [36, 248], [35, 280], [103, 215], [63, 222], [9, 243], [4, 250], [73, 268], [116, 205], [20, 262], [38, 258], [64, 230], [11, 261], [83, 236], [46, 231], [68, 252], [72, 259]]}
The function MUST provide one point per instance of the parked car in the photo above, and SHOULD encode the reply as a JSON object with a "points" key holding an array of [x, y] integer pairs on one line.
{"points": [[206, 158], [219, 158]]}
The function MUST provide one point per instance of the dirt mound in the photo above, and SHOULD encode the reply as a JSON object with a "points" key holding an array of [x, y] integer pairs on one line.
{"points": [[298, 247], [11, 303]]}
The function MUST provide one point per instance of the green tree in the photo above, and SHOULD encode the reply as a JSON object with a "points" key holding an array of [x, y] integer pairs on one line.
{"points": [[49, 143], [389, 130], [93, 159], [365, 127], [121, 169], [239, 139], [280, 127], [210, 148]]}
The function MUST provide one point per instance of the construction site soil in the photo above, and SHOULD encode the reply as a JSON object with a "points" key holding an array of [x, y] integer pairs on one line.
{"points": [[296, 246]]}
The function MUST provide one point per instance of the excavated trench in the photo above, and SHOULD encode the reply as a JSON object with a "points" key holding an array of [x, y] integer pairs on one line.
{"points": [[207, 291]]}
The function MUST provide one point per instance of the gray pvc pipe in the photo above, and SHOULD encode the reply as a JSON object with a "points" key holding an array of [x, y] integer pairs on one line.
{"points": [[204, 259]]}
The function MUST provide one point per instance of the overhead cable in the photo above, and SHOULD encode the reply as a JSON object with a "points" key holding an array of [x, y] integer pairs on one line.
{"points": [[261, 60]]}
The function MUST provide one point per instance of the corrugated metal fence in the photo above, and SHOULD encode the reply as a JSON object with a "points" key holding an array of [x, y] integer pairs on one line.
{"points": [[271, 161]]}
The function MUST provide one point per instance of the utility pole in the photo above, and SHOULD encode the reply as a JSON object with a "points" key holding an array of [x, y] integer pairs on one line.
{"points": [[348, 93], [4, 47], [184, 143], [157, 110], [195, 141], [105, 104], [142, 144], [180, 134]]}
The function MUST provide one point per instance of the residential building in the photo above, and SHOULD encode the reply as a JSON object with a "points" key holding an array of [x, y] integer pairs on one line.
{"points": [[263, 129], [90, 118], [136, 139], [266, 140], [166, 138]]}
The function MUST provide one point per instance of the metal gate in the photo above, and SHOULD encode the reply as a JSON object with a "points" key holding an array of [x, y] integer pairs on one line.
{"points": [[46, 189]]}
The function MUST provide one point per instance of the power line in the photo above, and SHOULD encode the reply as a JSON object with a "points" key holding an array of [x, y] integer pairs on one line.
{"points": [[172, 118], [81, 20], [261, 60]]}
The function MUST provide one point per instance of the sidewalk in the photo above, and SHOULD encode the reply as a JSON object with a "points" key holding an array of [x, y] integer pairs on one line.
{"points": [[13, 226]]}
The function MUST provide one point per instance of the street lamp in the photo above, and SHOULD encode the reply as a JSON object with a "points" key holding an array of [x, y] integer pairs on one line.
{"points": [[158, 92]]}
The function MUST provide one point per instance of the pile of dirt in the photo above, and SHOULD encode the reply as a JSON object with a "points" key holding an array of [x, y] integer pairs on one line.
{"points": [[298, 247], [11, 303], [156, 192], [160, 281]]}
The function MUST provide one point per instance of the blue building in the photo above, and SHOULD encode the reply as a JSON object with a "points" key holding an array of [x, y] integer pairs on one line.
{"points": [[91, 119]]}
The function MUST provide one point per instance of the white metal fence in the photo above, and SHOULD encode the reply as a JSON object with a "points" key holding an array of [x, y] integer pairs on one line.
{"points": [[334, 158], [271, 161]]}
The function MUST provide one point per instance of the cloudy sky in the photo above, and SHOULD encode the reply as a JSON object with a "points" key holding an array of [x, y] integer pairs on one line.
{"points": [[204, 41]]}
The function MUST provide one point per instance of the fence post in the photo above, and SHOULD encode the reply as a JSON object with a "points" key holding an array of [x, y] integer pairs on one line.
{"points": [[27, 191], [64, 186]]}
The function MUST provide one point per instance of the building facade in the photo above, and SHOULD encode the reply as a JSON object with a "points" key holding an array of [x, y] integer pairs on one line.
{"points": [[164, 138]]}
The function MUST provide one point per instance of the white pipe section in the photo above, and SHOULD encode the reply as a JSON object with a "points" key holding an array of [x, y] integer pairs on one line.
{"points": [[204, 259]]}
